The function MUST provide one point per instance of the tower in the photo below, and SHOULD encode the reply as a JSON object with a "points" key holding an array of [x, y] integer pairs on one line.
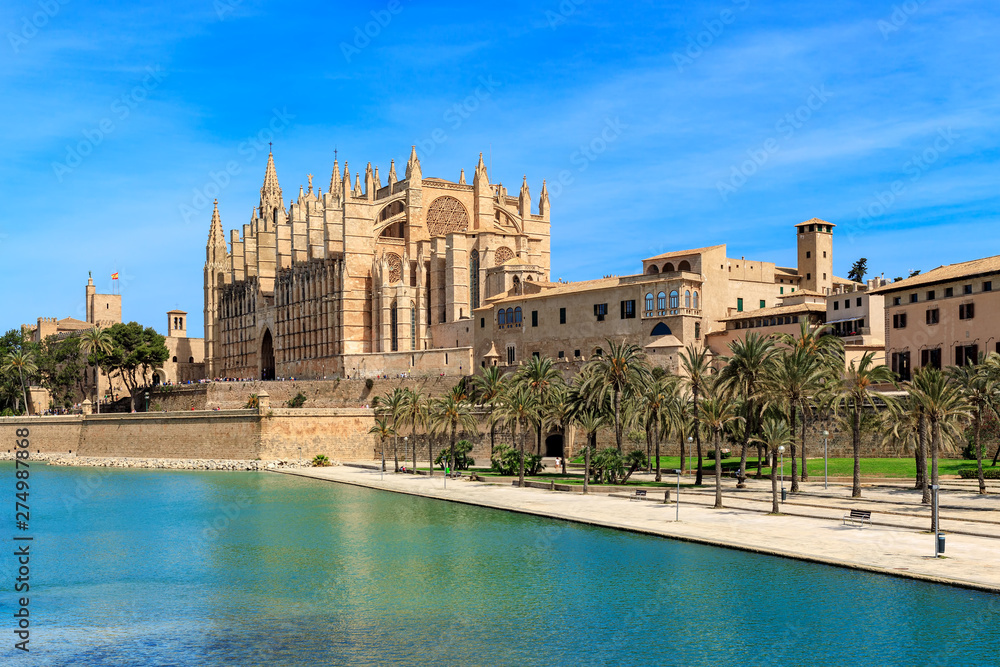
{"points": [[217, 274], [815, 247]]}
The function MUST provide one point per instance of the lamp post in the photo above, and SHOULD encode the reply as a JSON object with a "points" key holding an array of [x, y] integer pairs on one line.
{"points": [[381, 470], [688, 453], [147, 400], [938, 537], [781, 453], [406, 443], [826, 464]]}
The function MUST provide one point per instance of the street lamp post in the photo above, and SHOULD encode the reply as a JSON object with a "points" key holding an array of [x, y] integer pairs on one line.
{"points": [[826, 464], [382, 468], [406, 443], [781, 453], [688, 453], [147, 400], [938, 538]]}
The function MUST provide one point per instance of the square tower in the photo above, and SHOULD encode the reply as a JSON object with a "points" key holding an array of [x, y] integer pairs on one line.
{"points": [[176, 324], [815, 244], [103, 310]]}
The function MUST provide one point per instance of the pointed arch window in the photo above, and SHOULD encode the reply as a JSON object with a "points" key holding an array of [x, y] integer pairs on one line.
{"points": [[413, 325], [394, 327], [474, 278]]}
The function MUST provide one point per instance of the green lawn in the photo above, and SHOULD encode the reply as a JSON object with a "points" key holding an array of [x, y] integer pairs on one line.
{"points": [[841, 467]]}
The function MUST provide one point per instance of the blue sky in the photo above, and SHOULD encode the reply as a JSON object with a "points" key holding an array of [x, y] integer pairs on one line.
{"points": [[659, 126]]}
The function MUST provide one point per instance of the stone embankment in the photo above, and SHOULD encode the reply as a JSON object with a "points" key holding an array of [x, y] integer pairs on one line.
{"points": [[164, 464]]}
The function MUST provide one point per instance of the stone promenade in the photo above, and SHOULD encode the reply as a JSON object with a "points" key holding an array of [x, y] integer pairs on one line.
{"points": [[811, 528]]}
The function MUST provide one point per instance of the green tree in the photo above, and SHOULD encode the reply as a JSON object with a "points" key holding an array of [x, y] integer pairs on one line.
{"points": [[61, 365], [21, 362], [393, 404], [518, 408], [96, 343], [451, 412], [415, 414], [383, 429], [716, 413], [858, 270], [774, 433], [489, 386], [751, 359], [697, 365], [982, 392], [620, 371], [539, 376], [135, 353], [657, 399]]}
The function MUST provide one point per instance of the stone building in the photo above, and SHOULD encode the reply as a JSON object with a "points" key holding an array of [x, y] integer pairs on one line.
{"points": [[186, 362], [366, 278], [688, 296], [945, 317]]}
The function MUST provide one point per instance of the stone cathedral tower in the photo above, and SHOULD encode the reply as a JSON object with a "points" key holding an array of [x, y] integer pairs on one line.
{"points": [[366, 278]]}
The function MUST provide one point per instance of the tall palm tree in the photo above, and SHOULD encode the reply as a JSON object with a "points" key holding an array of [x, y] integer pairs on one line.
{"points": [[559, 410], [817, 341], [903, 424], [982, 392], [519, 408], [620, 371], [697, 365], [793, 378], [393, 404], [751, 359], [945, 407], [448, 414], [539, 375], [657, 398], [852, 393], [23, 361], [415, 414], [96, 341], [489, 385], [383, 429], [774, 433], [717, 411]]}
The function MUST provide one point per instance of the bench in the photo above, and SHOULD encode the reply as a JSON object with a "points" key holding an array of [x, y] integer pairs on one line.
{"points": [[858, 517], [639, 494]]}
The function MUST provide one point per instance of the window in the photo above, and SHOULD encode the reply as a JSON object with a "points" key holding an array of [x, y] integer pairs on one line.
{"points": [[534, 318], [687, 298], [901, 365], [413, 325], [697, 330], [501, 317], [966, 311], [932, 316], [809, 276], [562, 355], [394, 328], [510, 355], [661, 301], [988, 286], [739, 305], [598, 352], [930, 295], [967, 289], [966, 354], [931, 358], [510, 316], [897, 300], [824, 253], [847, 304], [696, 299], [628, 309], [675, 299], [763, 304], [949, 291], [649, 303], [175, 360], [474, 278], [858, 304], [562, 316], [808, 254], [781, 290], [600, 311], [899, 321], [482, 322], [836, 305], [517, 316], [576, 353], [913, 298]]}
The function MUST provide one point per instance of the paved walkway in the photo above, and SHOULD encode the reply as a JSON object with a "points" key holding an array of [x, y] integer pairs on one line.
{"points": [[818, 535]]}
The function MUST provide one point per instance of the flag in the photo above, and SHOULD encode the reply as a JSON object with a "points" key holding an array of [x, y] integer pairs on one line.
{"points": [[114, 276]]}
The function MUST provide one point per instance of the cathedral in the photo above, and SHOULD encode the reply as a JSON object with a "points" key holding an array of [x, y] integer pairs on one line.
{"points": [[366, 279]]}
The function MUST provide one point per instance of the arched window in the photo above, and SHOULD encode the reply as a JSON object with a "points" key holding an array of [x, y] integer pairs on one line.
{"points": [[668, 268], [661, 301], [394, 328], [687, 298], [517, 315], [660, 329], [649, 302], [413, 325], [517, 285], [474, 278], [696, 299], [598, 352], [675, 299], [501, 317], [684, 266], [175, 360], [653, 269], [510, 316]]}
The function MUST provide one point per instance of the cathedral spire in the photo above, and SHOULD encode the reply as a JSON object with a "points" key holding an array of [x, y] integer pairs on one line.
{"points": [[216, 235], [543, 201], [481, 177], [270, 194], [358, 192], [369, 181], [346, 183], [392, 172], [461, 178], [335, 178], [524, 200], [413, 166]]}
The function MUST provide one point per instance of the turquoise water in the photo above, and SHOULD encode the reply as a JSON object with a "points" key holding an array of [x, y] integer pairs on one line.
{"points": [[196, 568]]}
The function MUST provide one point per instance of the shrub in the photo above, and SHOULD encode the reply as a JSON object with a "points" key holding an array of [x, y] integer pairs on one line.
{"points": [[369, 383], [507, 461], [320, 461], [253, 403], [462, 459], [988, 473], [724, 454], [298, 401]]}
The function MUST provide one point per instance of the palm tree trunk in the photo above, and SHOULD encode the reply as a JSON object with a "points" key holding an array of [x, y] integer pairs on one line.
{"points": [[697, 439], [562, 425], [452, 452], [649, 450], [383, 453], [520, 474], [586, 465], [918, 454], [718, 472], [795, 468], [430, 452], [979, 450], [684, 462], [656, 442], [741, 482], [922, 471], [395, 450], [856, 442], [413, 437], [20, 371], [618, 423], [805, 470], [995, 456], [774, 486], [760, 469], [539, 430], [493, 430]]}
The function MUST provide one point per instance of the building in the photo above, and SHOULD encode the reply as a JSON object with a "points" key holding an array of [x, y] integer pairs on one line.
{"points": [[682, 297], [369, 278], [945, 317], [186, 362]]}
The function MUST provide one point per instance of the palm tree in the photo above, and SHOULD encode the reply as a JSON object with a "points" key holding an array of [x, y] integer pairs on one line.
{"points": [[982, 392], [620, 370], [383, 430], [394, 404], [697, 366], [591, 421], [774, 433], [539, 375], [904, 425], [449, 413], [817, 341], [489, 385], [852, 393], [657, 397], [794, 376], [945, 406], [519, 408], [23, 361], [717, 412], [559, 410], [415, 414], [751, 359], [98, 342]]}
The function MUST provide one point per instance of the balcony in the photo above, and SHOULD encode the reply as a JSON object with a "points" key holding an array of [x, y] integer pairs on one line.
{"points": [[670, 312]]}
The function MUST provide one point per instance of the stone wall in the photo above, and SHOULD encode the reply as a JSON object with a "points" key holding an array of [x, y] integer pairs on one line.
{"points": [[196, 435]]}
